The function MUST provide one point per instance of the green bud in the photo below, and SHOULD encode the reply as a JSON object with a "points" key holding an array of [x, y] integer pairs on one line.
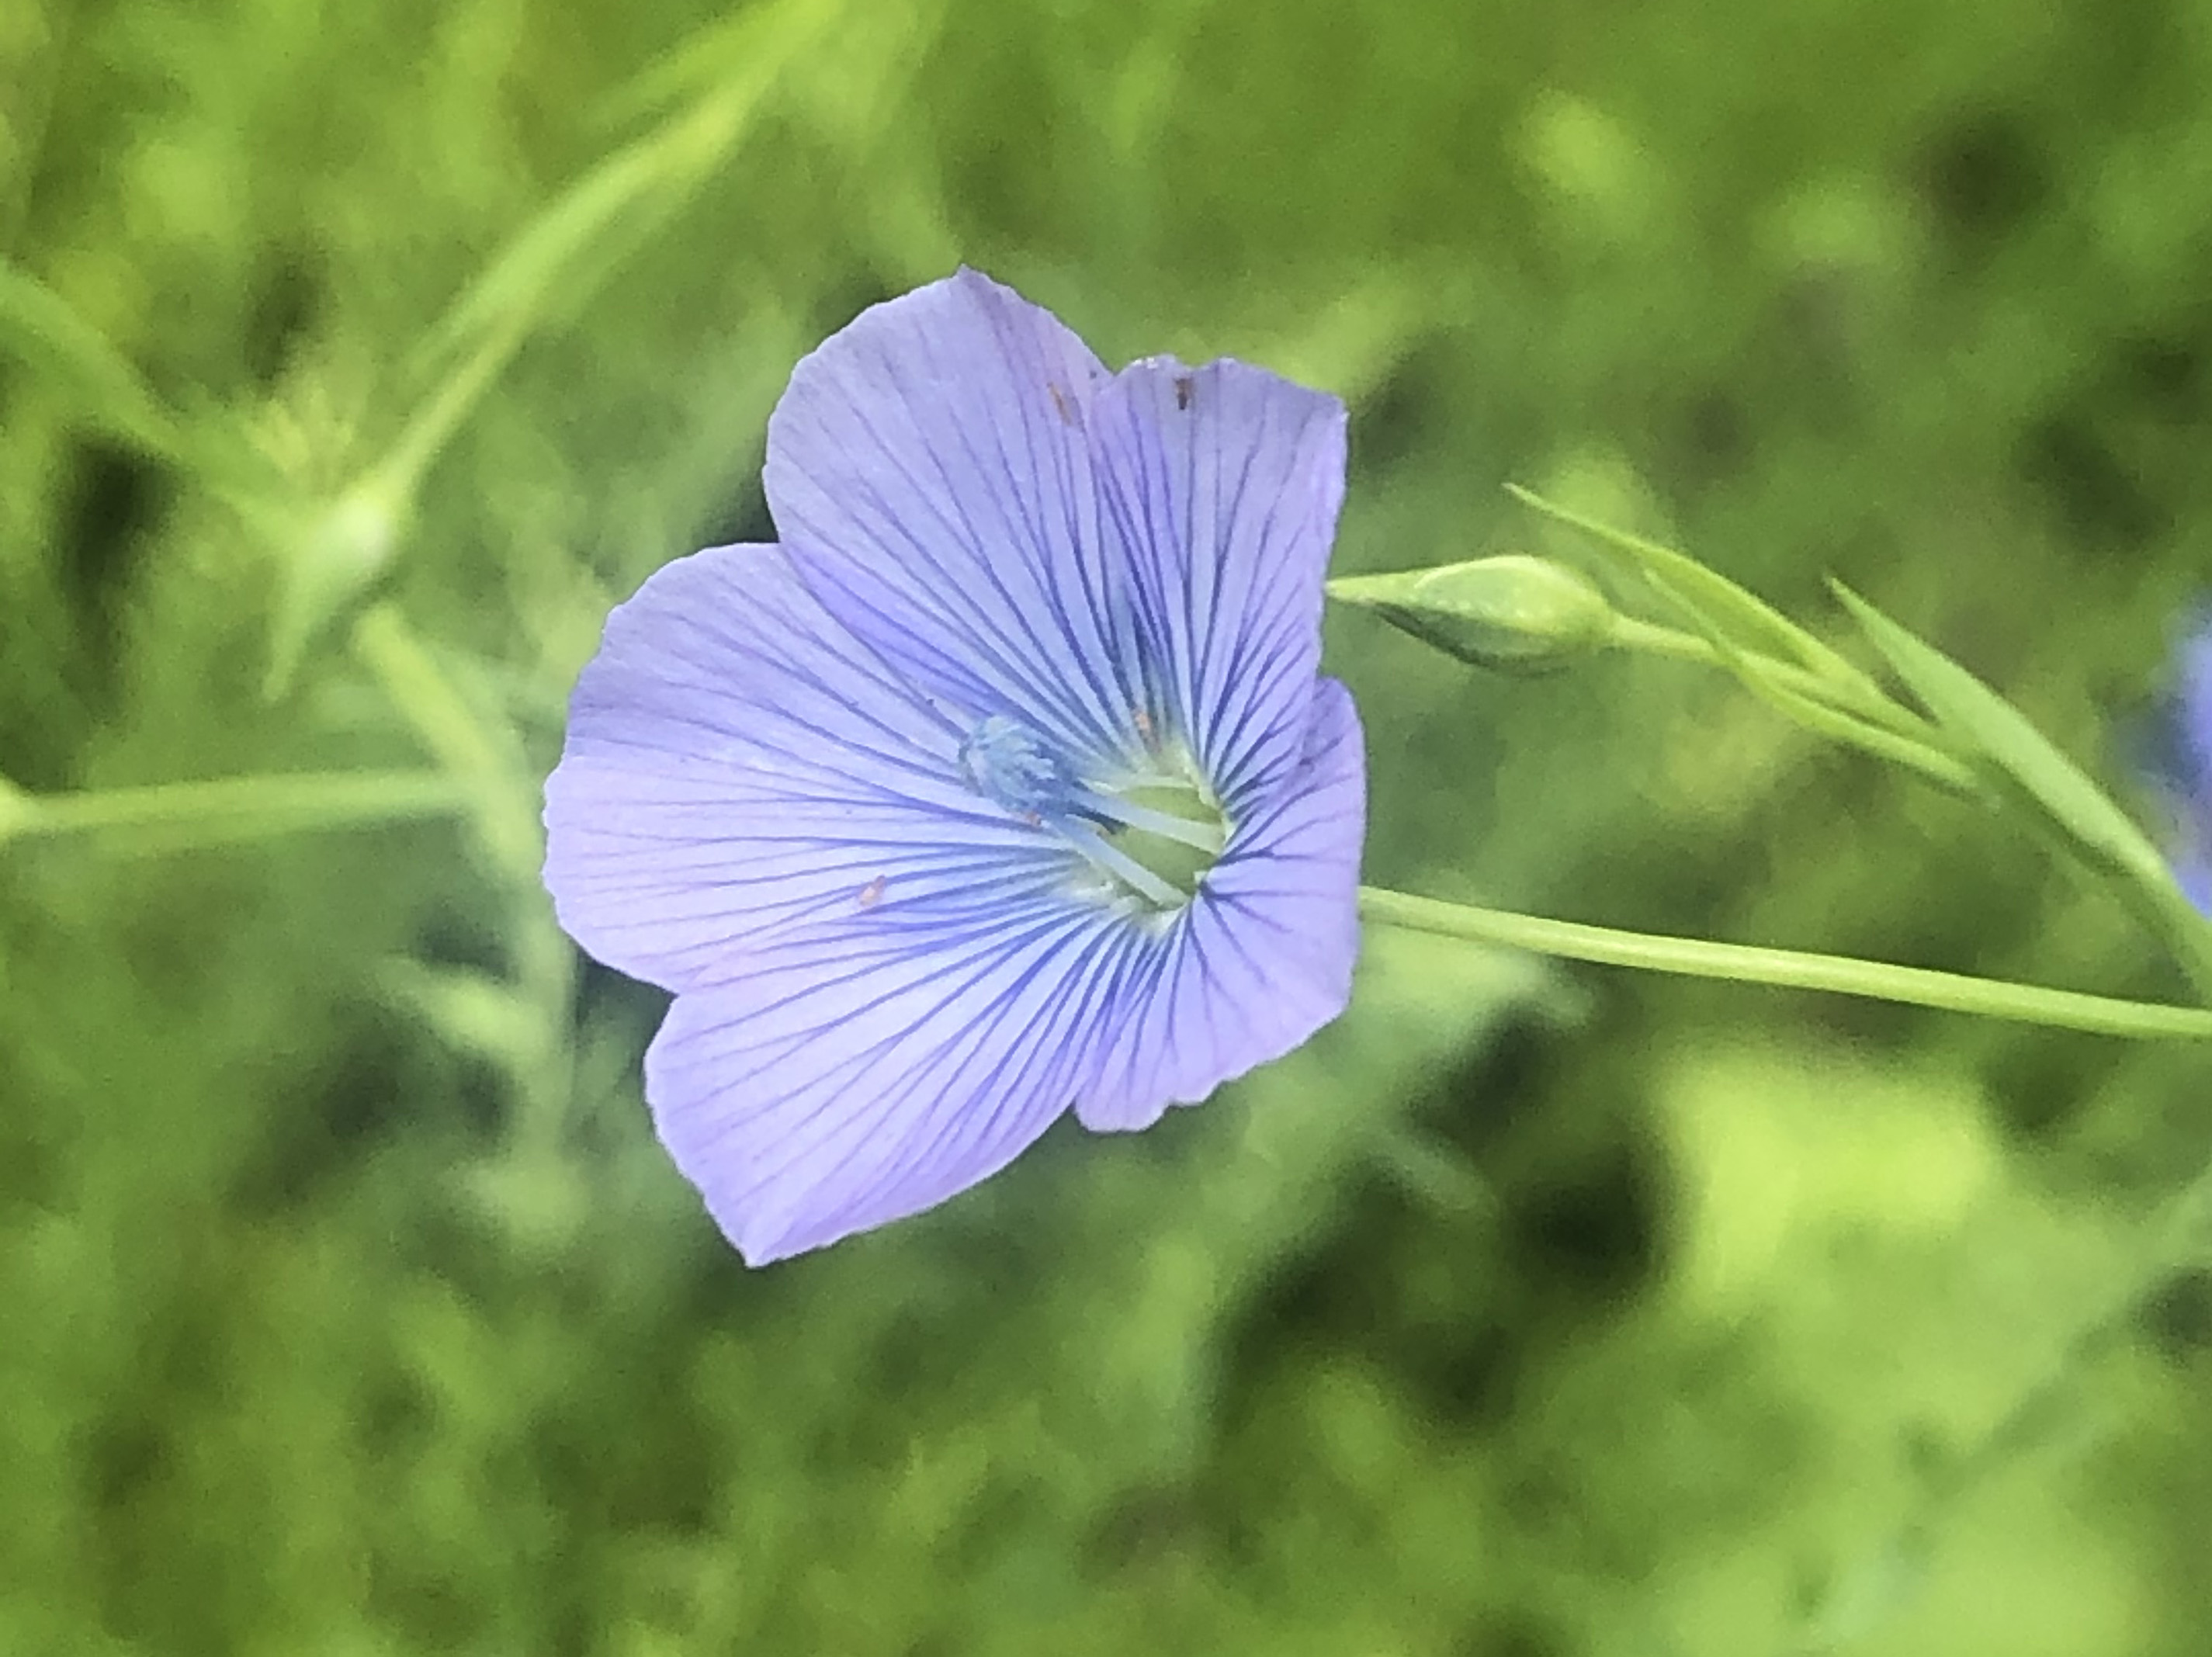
{"points": [[1522, 614]]}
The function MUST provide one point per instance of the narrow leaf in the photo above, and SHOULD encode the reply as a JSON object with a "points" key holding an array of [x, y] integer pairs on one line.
{"points": [[1760, 675], [1713, 601], [2009, 748], [562, 253]]}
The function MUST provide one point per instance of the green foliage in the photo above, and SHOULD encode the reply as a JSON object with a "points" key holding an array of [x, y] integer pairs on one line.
{"points": [[2022, 762], [355, 360]]}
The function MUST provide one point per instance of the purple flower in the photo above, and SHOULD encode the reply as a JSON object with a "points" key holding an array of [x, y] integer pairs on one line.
{"points": [[1005, 782], [2193, 722]]}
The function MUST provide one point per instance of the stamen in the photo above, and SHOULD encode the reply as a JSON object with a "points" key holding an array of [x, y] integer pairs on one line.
{"points": [[1111, 859], [1207, 837]]}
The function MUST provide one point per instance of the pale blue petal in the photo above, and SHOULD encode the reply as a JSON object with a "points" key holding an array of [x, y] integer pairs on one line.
{"points": [[735, 766], [1222, 487], [2197, 712], [1262, 957], [929, 468], [872, 1065], [2194, 875], [2192, 718]]}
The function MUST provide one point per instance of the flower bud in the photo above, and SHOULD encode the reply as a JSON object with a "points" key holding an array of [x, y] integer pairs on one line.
{"points": [[1519, 613]]}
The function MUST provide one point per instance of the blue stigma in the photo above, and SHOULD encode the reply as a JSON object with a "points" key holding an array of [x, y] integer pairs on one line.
{"points": [[1010, 765]]}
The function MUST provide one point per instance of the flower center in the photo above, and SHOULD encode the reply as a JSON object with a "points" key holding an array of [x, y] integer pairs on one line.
{"points": [[1167, 825], [1151, 831]]}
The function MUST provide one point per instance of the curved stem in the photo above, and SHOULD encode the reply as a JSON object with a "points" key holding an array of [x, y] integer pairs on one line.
{"points": [[1898, 736], [481, 755], [1657, 638], [1877, 980]]}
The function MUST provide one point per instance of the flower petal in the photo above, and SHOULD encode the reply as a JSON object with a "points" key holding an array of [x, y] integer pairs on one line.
{"points": [[734, 765], [873, 1065], [929, 468], [1222, 485], [1263, 956], [2193, 874], [2197, 712]]}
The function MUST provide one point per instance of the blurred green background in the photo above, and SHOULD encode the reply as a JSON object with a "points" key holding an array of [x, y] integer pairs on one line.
{"points": [[355, 359]]}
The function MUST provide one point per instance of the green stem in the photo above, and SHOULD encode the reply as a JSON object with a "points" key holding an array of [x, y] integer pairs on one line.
{"points": [[481, 752], [2173, 918], [400, 472], [471, 748], [1839, 975], [236, 807], [1654, 638], [1898, 736]]}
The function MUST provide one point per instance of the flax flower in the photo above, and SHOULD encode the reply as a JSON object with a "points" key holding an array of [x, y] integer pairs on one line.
{"points": [[1004, 783]]}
